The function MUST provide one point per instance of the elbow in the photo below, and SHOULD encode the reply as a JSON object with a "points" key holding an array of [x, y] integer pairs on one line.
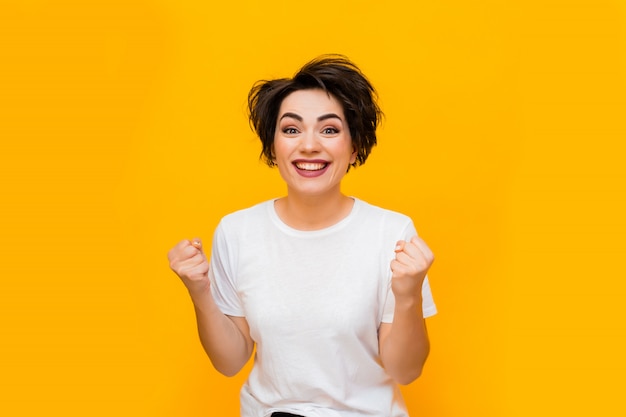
{"points": [[405, 372], [225, 370], [227, 364], [228, 373], [405, 378]]}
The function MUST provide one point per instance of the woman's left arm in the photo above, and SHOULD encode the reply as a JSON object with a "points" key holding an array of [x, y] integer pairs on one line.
{"points": [[404, 344]]}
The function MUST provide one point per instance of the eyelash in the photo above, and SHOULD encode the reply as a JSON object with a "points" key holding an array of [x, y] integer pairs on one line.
{"points": [[326, 130]]}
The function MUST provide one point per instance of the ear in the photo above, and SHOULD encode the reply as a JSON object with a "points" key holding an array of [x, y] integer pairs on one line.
{"points": [[273, 156], [353, 155]]}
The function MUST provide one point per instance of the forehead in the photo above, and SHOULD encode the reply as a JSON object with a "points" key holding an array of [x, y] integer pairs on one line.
{"points": [[313, 102]]}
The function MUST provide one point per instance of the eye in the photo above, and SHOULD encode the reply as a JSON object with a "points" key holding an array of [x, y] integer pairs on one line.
{"points": [[330, 131], [290, 130]]}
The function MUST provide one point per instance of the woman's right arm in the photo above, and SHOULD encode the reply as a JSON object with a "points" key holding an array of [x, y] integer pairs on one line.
{"points": [[225, 339]]}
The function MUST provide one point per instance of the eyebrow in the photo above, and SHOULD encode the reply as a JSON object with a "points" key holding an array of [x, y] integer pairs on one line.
{"points": [[319, 119]]}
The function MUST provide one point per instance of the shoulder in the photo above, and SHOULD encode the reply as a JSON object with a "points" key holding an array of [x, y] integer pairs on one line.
{"points": [[241, 225], [247, 215], [250, 221], [375, 214]]}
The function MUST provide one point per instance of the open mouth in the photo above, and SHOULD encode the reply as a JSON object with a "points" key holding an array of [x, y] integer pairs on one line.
{"points": [[310, 166]]}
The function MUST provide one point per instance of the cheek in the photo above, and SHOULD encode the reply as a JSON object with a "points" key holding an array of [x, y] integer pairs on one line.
{"points": [[280, 149]]}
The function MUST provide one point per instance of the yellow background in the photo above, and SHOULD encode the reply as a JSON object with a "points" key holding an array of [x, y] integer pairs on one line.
{"points": [[124, 130]]}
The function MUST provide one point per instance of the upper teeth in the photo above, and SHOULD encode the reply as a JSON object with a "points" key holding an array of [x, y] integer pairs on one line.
{"points": [[310, 166]]}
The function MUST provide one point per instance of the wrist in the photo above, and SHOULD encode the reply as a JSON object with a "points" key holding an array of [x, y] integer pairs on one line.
{"points": [[409, 302], [199, 290]]}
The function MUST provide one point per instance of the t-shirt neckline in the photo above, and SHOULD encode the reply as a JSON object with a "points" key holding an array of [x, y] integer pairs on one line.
{"points": [[271, 209]]}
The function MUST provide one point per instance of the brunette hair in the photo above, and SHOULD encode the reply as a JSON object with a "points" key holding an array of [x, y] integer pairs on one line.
{"points": [[334, 74]]}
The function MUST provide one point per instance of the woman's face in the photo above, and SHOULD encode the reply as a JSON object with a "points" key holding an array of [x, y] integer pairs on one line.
{"points": [[312, 144]]}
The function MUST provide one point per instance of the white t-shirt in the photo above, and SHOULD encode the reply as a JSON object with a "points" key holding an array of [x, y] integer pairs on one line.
{"points": [[314, 301]]}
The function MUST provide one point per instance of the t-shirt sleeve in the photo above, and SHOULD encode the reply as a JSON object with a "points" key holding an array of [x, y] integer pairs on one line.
{"points": [[222, 275], [428, 304]]}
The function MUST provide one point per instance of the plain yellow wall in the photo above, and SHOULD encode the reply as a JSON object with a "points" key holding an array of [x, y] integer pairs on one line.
{"points": [[124, 130]]}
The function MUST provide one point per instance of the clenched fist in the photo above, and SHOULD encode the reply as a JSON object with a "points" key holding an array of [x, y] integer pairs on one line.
{"points": [[409, 267], [188, 261]]}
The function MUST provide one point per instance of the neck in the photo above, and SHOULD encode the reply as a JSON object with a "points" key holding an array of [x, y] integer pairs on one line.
{"points": [[313, 213]]}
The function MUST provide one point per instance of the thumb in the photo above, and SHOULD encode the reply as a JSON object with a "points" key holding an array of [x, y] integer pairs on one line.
{"points": [[197, 243], [399, 246]]}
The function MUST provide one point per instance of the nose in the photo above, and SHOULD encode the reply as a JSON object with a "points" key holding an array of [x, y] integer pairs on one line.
{"points": [[309, 142]]}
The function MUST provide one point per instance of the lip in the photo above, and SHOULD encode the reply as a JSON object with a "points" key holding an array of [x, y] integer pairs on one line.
{"points": [[310, 173]]}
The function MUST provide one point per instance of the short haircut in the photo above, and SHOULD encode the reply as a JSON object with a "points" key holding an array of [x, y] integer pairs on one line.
{"points": [[340, 78]]}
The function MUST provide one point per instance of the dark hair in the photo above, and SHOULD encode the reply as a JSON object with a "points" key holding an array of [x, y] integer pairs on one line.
{"points": [[334, 74]]}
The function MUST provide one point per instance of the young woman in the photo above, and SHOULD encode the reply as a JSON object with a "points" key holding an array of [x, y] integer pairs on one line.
{"points": [[332, 291]]}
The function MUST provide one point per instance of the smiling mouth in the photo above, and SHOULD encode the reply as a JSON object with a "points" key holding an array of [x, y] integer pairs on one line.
{"points": [[311, 166]]}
